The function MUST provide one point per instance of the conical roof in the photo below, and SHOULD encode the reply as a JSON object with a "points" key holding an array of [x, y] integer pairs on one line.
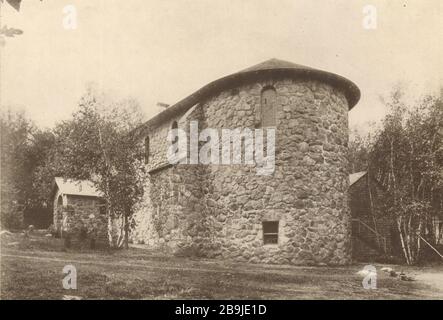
{"points": [[269, 68], [275, 64]]}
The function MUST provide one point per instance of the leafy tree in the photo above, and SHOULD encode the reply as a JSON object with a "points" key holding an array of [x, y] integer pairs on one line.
{"points": [[358, 150], [96, 144], [23, 149], [406, 157]]}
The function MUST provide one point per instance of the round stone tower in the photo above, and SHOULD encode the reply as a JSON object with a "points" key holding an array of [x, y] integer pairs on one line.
{"points": [[298, 214]]}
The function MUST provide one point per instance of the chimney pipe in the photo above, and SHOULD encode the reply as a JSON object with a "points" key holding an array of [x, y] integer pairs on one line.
{"points": [[163, 105]]}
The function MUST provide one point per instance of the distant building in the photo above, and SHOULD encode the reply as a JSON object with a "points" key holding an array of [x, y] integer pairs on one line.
{"points": [[372, 228], [79, 212], [374, 231]]}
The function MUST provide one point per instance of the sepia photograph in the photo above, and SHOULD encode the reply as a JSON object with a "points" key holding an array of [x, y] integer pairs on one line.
{"points": [[233, 151]]}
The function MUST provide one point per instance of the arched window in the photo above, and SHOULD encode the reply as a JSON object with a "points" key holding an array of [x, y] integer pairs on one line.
{"points": [[174, 126], [146, 149], [175, 141], [268, 106], [60, 201]]}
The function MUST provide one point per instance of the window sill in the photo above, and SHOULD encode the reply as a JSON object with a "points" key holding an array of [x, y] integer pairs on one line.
{"points": [[271, 245]]}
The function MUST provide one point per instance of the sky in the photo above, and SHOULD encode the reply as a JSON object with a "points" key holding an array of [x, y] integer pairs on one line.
{"points": [[162, 51]]}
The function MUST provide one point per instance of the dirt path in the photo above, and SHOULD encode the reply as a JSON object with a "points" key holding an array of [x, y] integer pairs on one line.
{"points": [[122, 264], [209, 270], [212, 266], [140, 273], [433, 279]]}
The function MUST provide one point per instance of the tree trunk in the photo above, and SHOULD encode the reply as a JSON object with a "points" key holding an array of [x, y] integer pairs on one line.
{"points": [[371, 206], [121, 234], [418, 240], [110, 235], [402, 240], [126, 232], [409, 240], [106, 192]]}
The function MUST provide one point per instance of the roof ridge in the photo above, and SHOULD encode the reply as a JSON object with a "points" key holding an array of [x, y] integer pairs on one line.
{"points": [[82, 187]]}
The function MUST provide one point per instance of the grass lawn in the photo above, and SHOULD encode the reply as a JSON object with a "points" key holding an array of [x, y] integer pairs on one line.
{"points": [[31, 268]]}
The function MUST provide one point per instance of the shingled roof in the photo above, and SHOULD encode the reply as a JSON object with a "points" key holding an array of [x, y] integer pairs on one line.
{"points": [[272, 67], [272, 64]]}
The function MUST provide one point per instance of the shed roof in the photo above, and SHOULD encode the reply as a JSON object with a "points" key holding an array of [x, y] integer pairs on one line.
{"points": [[354, 177], [77, 187], [272, 67]]}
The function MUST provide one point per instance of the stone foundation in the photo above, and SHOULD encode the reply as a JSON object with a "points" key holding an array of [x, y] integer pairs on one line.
{"points": [[81, 220]]}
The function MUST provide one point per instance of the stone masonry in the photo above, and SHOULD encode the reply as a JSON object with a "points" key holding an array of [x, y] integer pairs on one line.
{"points": [[79, 215], [219, 211]]}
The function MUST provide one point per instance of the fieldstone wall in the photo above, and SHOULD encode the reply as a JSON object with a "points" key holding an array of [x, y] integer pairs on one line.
{"points": [[81, 219], [159, 144], [218, 210], [172, 211]]}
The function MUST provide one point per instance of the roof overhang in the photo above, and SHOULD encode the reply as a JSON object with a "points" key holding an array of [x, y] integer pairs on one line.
{"points": [[275, 69]]}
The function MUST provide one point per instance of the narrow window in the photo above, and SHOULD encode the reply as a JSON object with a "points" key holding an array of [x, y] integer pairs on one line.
{"points": [[175, 141], [174, 126], [147, 150], [270, 232], [60, 201], [268, 106]]}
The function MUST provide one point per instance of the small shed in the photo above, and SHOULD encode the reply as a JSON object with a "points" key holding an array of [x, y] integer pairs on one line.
{"points": [[79, 210], [374, 232]]}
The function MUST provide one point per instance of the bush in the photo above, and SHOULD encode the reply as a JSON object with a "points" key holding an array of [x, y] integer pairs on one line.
{"points": [[11, 217]]}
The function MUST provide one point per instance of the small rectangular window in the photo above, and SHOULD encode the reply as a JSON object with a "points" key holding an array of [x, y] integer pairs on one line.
{"points": [[270, 232]]}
